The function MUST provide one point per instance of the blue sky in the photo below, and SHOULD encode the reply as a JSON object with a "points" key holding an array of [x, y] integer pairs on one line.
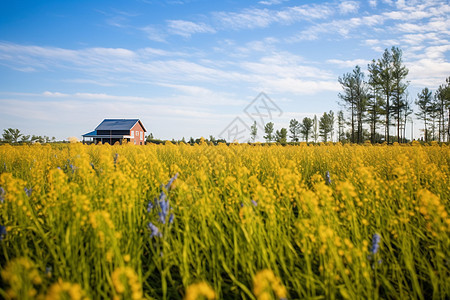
{"points": [[190, 67]]}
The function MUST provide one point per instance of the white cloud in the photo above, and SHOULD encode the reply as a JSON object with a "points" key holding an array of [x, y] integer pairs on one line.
{"points": [[200, 95], [272, 2], [154, 34], [261, 18], [125, 67], [53, 94], [346, 7], [342, 27], [405, 15], [298, 86], [187, 28], [428, 72], [284, 65], [349, 63], [373, 3]]}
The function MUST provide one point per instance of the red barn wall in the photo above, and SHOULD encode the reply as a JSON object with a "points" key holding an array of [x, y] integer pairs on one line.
{"points": [[139, 134]]}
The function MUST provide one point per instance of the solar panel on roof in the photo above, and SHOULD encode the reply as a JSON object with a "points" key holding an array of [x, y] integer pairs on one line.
{"points": [[117, 124]]}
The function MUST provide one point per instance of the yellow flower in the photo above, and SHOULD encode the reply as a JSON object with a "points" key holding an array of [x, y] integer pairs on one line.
{"points": [[65, 290], [201, 289], [265, 283], [126, 283]]}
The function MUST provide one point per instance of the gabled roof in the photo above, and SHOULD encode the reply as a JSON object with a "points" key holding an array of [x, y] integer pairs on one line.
{"points": [[118, 124], [92, 133]]}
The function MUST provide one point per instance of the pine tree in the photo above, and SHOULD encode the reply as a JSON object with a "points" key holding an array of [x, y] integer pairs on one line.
{"points": [[424, 103], [348, 96], [305, 128], [383, 78], [268, 129], [281, 136], [11, 135], [294, 129], [443, 96], [399, 73], [326, 126]]}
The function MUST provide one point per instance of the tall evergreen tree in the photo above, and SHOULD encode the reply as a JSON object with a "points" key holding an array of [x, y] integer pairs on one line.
{"points": [[268, 129], [443, 96], [361, 96], [294, 129], [326, 126], [424, 103], [375, 104], [281, 136], [405, 113], [305, 128], [382, 76], [399, 73], [348, 96], [355, 97]]}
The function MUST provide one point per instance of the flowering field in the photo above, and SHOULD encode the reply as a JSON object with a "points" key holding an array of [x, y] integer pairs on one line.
{"points": [[224, 222]]}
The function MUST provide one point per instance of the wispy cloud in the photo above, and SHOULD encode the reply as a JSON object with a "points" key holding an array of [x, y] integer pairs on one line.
{"points": [[349, 63], [164, 68], [154, 34], [272, 2], [435, 14], [261, 18], [346, 7], [187, 28]]}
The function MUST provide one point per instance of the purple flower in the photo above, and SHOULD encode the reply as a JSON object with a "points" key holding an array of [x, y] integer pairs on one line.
{"points": [[28, 191], [327, 178], [163, 203], [155, 231], [254, 203], [376, 238]]}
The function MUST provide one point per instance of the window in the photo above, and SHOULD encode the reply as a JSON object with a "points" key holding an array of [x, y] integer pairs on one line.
{"points": [[132, 134], [142, 135]]}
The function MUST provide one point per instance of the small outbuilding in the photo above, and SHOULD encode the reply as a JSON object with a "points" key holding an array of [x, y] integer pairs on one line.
{"points": [[117, 130]]}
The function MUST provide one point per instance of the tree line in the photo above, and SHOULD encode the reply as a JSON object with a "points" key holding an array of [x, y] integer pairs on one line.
{"points": [[382, 101], [309, 129], [14, 136]]}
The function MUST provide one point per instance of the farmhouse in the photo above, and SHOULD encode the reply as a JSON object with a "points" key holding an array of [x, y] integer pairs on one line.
{"points": [[117, 130]]}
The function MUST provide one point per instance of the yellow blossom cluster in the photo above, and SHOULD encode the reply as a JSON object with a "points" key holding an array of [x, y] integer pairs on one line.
{"points": [[265, 283], [200, 290]]}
